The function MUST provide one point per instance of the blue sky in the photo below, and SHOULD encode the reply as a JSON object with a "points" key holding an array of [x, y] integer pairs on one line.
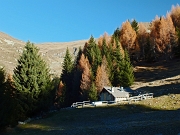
{"points": [[69, 20]]}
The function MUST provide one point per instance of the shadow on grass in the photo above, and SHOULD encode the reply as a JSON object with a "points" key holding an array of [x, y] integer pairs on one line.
{"points": [[157, 71], [126, 119], [161, 90], [119, 119]]}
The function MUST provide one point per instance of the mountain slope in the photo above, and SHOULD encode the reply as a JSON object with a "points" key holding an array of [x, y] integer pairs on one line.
{"points": [[53, 53], [10, 48]]}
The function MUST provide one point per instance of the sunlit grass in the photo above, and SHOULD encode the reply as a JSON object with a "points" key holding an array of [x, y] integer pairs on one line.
{"points": [[34, 126], [165, 102], [125, 117]]}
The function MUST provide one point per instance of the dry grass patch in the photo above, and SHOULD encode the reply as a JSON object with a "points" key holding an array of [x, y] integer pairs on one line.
{"points": [[165, 102]]}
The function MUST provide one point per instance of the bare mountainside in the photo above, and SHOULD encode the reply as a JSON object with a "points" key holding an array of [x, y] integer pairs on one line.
{"points": [[52, 53]]}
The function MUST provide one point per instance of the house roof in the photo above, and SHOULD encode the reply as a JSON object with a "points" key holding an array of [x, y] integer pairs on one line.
{"points": [[128, 89], [116, 91]]}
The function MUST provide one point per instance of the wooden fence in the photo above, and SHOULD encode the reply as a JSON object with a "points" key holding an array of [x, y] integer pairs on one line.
{"points": [[140, 97], [130, 99], [82, 104], [89, 104]]}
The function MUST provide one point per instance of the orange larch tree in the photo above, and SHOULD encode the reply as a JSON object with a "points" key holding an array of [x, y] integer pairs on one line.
{"points": [[127, 36], [163, 35], [155, 35], [175, 15], [59, 90], [171, 35], [102, 78], [60, 95], [100, 41], [105, 37], [83, 61], [86, 77]]}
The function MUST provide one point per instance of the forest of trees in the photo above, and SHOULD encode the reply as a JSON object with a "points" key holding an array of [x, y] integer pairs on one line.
{"points": [[158, 42], [97, 65], [105, 61]]}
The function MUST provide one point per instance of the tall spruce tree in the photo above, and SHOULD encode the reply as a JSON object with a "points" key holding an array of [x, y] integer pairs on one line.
{"points": [[93, 53], [117, 59], [32, 81], [66, 77], [67, 68], [97, 59], [77, 58], [126, 75], [76, 80], [110, 65]]}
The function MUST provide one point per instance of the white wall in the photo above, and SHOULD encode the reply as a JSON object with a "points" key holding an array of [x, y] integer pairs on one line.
{"points": [[120, 99]]}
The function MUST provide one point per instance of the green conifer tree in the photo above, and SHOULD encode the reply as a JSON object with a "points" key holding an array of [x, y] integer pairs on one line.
{"points": [[104, 48], [32, 81], [77, 58], [92, 93], [110, 65], [126, 75], [93, 53], [67, 68], [117, 33], [76, 80], [134, 25], [66, 77], [117, 60]]}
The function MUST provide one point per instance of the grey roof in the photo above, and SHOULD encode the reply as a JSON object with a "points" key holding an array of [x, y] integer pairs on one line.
{"points": [[117, 92], [128, 89]]}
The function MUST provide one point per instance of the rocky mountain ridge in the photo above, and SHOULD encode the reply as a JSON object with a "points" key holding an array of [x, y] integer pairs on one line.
{"points": [[52, 52]]}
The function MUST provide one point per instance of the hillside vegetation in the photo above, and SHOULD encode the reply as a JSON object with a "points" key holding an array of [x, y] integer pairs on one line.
{"points": [[34, 81], [160, 115]]}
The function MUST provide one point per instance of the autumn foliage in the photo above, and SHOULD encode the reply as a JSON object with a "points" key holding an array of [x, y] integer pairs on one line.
{"points": [[163, 35], [86, 77], [175, 15], [108, 60], [60, 89], [128, 36], [102, 78]]}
